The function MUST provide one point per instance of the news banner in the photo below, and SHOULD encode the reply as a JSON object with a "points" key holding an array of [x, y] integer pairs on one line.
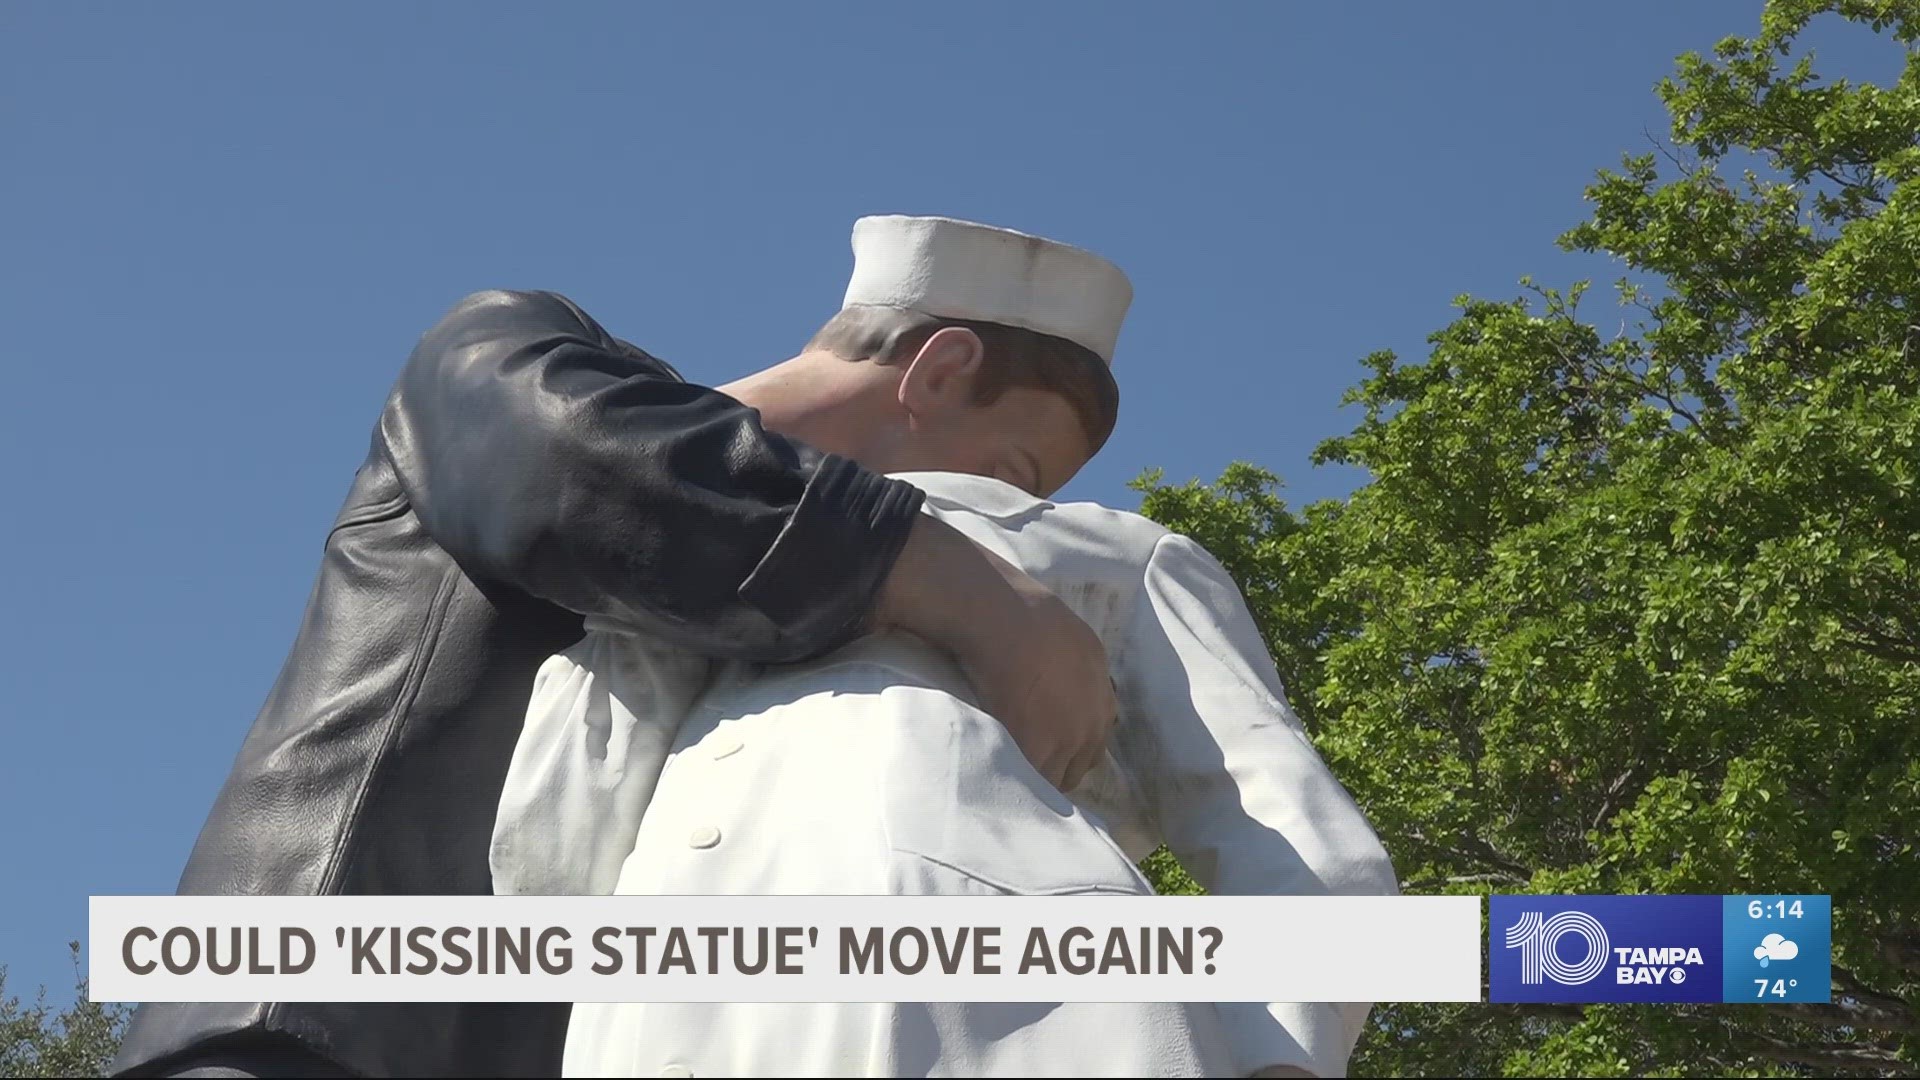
{"points": [[1567, 949]]}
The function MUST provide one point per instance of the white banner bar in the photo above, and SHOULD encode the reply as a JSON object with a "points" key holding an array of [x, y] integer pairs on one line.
{"points": [[784, 948]]}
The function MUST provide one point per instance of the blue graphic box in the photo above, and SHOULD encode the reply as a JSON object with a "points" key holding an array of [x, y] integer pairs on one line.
{"points": [[1605, 948], [1778, 948]]}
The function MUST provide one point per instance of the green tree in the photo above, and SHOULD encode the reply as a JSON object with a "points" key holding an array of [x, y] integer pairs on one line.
{"points": [[1640, 610], [80, 1040]]}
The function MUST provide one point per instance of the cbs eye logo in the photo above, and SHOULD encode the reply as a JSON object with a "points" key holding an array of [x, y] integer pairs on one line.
{"points": [[1538, 939]]}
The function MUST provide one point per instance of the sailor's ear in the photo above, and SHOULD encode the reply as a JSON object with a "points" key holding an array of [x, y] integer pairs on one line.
{"points": [[941, 376]]}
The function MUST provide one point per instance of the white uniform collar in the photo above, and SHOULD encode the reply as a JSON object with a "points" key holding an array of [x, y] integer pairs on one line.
{"points": [[982, 494]]}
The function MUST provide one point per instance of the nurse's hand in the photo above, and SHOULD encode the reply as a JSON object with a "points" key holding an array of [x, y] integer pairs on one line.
{"points": [[1036, 666]]}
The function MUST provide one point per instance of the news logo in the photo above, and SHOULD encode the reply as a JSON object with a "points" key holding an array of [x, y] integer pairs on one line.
{"points": [[1538, 939], [1604, 948], [1580, 949]]}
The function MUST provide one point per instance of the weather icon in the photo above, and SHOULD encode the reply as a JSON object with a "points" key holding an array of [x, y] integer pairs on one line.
{"points": [[1774, 947]]}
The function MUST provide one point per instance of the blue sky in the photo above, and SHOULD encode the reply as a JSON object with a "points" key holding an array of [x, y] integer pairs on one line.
{"points": [[225, 226]]}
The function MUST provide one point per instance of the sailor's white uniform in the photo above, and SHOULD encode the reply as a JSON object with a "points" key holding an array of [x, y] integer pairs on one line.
{"points": [[871, 771]]}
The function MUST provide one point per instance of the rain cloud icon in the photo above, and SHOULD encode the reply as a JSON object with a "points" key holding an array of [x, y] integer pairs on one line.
{"points": [[1774, 947]]}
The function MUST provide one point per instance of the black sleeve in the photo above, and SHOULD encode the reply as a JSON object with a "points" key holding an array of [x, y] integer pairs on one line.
{"points": [[545, 455]]}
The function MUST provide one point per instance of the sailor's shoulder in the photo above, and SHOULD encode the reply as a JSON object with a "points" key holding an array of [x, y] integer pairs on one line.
{"points": [[1124, 523], [1067, 544]]}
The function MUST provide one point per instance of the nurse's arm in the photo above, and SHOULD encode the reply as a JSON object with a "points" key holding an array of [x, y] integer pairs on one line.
{"points": [[1238, 791]]}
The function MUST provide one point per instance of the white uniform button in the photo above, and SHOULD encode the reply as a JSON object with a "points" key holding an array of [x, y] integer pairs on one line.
{"points": [[676, 1070], [725, 746], [703, 837]]}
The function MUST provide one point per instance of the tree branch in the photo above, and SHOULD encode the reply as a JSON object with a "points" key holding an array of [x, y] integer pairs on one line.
{"points": [[1479, 852], [1833, 1058], [1496, 875], [1850, 986], [1878, 643], [1613, 793], [1862, 188], [1841, 1016]]}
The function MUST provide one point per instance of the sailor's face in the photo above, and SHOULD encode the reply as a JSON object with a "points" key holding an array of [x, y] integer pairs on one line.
{"points": [[1029, 438], [1026, 437], [935, 414]]}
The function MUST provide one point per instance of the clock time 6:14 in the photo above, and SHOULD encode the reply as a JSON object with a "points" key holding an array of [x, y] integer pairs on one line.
{"points": [[1778, 909]]}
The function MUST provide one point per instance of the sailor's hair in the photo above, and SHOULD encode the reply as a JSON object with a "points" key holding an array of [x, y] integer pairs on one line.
{"points": [[1012, 357]]}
